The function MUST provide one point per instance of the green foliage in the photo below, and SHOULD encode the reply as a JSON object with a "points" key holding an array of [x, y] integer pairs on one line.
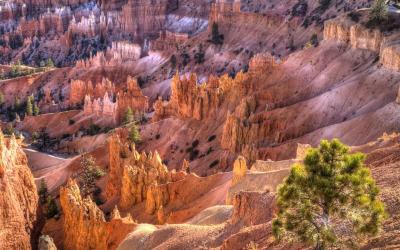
{"points": [[330, 199], [49, 63], [52, 208], [29, 107], [134, 134], [379, 12], [128, 116], [43, 191], [2, 99], [216, 37], [90, 173], [36, 110]]}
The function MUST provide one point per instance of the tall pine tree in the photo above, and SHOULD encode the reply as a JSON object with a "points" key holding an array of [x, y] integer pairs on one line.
{"points": [[329, 200]]}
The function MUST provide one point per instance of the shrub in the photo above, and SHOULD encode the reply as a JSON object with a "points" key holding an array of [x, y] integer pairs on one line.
{"points": [[214, 163], [211, 138], [354, 16], [379, 12]]}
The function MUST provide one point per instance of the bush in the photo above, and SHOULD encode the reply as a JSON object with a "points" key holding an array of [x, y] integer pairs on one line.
{"points": [[16, 41], [214, 163], [199, 56], [379, 12], [354, 16], [324, 4], [211, 138]]}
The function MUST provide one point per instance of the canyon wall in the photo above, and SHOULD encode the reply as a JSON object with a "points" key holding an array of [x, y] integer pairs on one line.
{"points": [[142, 19], [360, 37], [18, 199], [85, 226]]}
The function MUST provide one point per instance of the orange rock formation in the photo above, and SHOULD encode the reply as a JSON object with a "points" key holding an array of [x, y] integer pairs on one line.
{"points": [[85, 226], [18, 199]]}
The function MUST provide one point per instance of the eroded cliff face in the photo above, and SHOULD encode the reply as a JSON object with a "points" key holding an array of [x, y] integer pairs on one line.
{"points": [[18, 199], [85, 226], [358, 36]]}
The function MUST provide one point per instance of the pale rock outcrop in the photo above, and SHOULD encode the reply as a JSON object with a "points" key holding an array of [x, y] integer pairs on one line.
{"points": [[18, 199], [336, 30], [46, 243], [363, 38], [85, 226], [390, 57]]}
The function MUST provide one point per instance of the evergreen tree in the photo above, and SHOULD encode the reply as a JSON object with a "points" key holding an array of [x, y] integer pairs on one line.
{"points": [[43, 191], [216, 37], [134, 134], [173, 61], [36, 110], [2, 100], [49, 63], [52, 208], [128, 116], [29, 108], [329, 199], [90, 173]]}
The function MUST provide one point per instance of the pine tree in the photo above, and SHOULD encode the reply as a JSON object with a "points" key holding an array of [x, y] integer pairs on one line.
{"points": [[1, 98], [29, 108], [329, 199], [90, 173], [52, 208], [134, 134], [43, 191], [216, 37], [36, 110], [49, 63], [128, 116]]}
